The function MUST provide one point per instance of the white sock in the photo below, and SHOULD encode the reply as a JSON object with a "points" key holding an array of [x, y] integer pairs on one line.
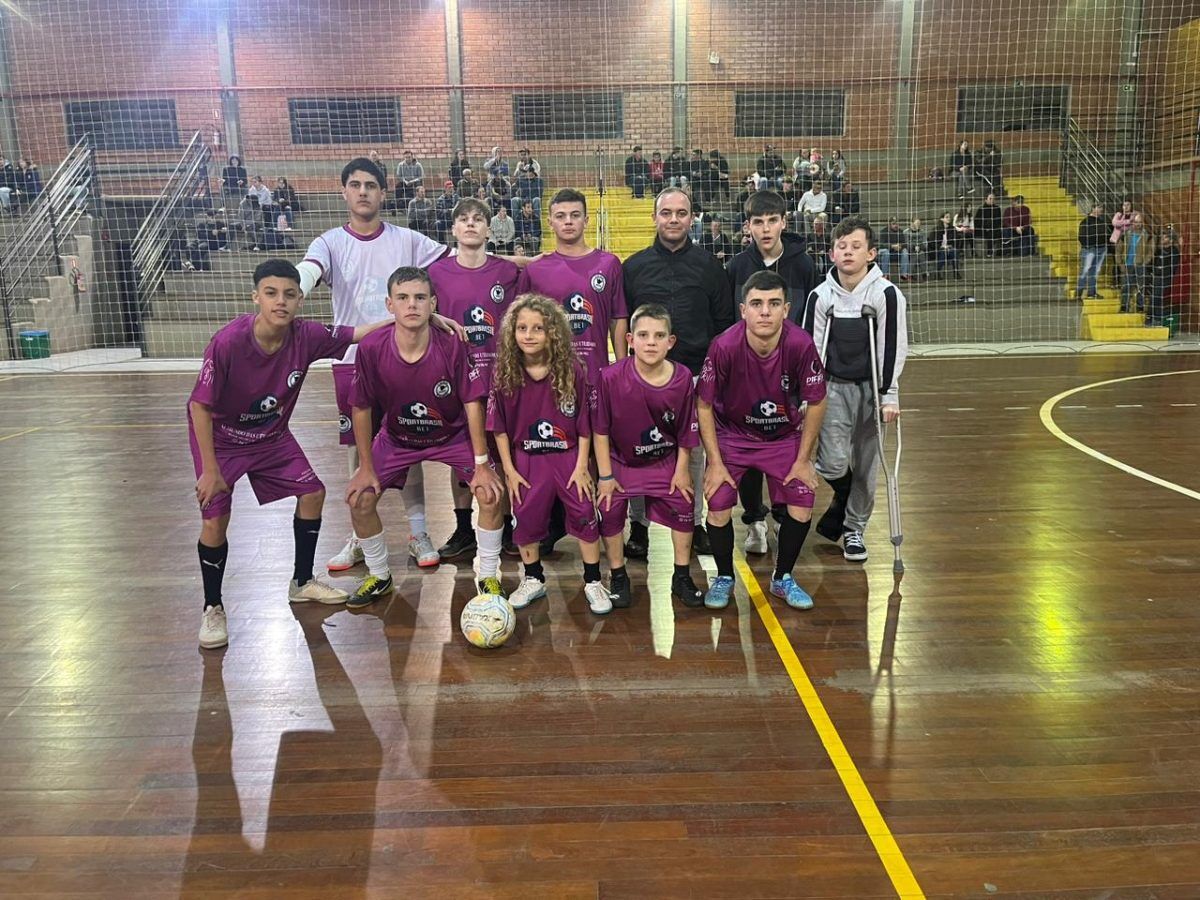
{"points": [[375, 552], [489, 550], [414, 500]]}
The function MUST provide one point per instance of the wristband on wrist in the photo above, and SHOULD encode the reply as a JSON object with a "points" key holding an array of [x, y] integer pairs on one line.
{"points": [[481, 459], [606, 477]]}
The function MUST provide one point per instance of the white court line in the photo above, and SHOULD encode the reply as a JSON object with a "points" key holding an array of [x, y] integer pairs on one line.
{"points": [[1047, 416], [1128, 406], [1016, 407], [1074, 407], [960, 409], [1183, 404]]}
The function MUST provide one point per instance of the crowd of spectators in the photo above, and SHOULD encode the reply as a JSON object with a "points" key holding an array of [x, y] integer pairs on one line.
{"points": [[19, 185]]}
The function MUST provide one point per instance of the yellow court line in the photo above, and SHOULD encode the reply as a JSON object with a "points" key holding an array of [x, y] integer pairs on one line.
{"points": [[1047, 416], [886, 847], [9, 437]]}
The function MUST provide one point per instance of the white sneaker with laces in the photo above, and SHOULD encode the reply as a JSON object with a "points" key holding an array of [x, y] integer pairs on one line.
{"points": [[317, 591], [598, 598], [421, 548], [214, 632], [527, 591], [756, 538], [348, 557]]}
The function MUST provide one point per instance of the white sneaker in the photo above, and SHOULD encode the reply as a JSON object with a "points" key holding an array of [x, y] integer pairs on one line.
{"points": [[527, 591], [348, 557], [421, 548], [756, 538], [598, 598], [315, 590], [213, 631]]}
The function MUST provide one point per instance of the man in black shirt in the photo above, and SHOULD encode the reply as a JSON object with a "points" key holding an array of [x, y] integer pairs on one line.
{"points": [[1093, 247]]}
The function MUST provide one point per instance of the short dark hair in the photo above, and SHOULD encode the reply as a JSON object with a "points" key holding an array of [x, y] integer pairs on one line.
{"points": [[764, 280], [409, 273], [765, 203], [362, 164], [464, 206], [275, 268], [851, 224], [650, 311], [568, 195]]}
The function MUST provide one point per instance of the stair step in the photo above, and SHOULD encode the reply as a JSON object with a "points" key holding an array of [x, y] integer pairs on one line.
{"points": [[1116, 319], [1100, 307], [1119, 333]]}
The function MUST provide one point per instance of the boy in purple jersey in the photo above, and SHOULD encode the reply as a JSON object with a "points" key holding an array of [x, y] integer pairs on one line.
{"points": [[752, 387], [433, 401], [238, 416], [475, 290], [644, 428], [590, 286], [538, 414]]}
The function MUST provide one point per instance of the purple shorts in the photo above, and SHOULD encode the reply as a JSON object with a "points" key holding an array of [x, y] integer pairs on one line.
{"points": [[276, 469], [392, 461], [343, 379], [654, 483], [773, 458], [547, 474]]}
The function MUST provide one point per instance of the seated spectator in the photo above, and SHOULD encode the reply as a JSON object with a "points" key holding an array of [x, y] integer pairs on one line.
{"points": [[845, 200], [809, 174], [422, 215], [792, 199], [770, 166], [250, 218], [676, 168], [1093, 247], [716, 242], [749, 187], [383, 168], [835, 170], [962, 168], [1162, 277], [964, 230], [499, 193], [528, 184], [718, 174], [699, 218], [529, 229], [988, 164], [800, 163], [637, 172], [458, 162], [233, 179], [988, 218], [818, 243], [444, 210], [891, 246], [211, 234], [1017, 233], [1135, 256], [496, 164], [266, 200], [1122, 221], [504, 231], [658, 173], [286, 201], [410, 174], [468, 185], [8, 185], [913, 257], [29, 179], [812, 203], [941, 246]]}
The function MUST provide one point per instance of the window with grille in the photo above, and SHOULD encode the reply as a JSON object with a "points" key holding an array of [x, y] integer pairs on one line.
{"points": [[995, 107], [800, 113], [124, 124], [563, 116], [345, 120]]}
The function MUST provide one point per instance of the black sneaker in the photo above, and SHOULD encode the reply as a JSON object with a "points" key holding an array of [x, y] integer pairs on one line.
{"points": [[830, 525], [638, 545], [372, 588], [853, 547], [460, 543], [618, 587], [700, 543], [685, 591], [507, 545]]}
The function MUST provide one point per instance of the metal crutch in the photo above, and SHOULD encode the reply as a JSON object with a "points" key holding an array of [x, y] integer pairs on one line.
{"points": [[891, 479]]}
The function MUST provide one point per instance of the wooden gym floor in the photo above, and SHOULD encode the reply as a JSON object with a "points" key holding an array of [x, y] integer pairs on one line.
{"points": [[1020, 717]]}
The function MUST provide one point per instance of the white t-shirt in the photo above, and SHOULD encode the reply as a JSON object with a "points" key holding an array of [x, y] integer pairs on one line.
{"points": [[813, 203], [357, 268]]}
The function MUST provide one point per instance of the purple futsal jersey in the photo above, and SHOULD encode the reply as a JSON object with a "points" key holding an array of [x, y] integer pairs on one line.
{"points": [[535, 422], [592, 291], [755, 398], [252, 393], [423, 402], [478, 300], [645, 424]]}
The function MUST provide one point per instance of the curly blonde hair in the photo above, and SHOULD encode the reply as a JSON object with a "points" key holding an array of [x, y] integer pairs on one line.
{"points": [[509, 372]]}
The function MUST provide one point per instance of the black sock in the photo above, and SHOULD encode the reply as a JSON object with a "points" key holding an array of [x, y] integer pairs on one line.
{"points": [[306, 532], [462, 519], [682, 571], [750, 495], [591, 572], [534, 570], [791, 539], [212, 571], [721, 539], [618, 572]]}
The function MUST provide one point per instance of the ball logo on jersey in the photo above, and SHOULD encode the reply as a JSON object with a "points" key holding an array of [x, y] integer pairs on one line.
{"points": [[599, 282], [294, 378], [767, 416], [653, 443], [579, 313], [441, 390], [263, 411], [420, 418], [479, 324], [497, 293], [545, 437], [817, 375]]}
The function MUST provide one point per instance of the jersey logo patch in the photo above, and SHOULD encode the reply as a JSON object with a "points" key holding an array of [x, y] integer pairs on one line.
{"points": [[497, 293], [479, 324], [767, 416], [568, 409], [262, 412], [545, 437], [441, 389], [653, 444], [421, 418], [579, 313], [344, 424], [599, 282], [785, 382], [294, 378]]}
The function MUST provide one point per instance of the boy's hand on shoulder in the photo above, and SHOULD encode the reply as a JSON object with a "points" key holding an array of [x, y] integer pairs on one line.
{"points": [[449, 326], [208, 485]]}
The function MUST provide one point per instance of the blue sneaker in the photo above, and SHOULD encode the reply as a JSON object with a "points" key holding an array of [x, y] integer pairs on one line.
{"points": [[720, 589], [793, 595]]}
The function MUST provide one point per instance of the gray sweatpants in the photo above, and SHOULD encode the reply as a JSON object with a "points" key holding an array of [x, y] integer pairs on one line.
{"points": [[848, 442]]}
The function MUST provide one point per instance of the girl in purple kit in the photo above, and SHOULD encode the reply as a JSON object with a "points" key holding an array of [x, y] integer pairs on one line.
{"points": [[538, 415], [644, 427], [238, 416]]}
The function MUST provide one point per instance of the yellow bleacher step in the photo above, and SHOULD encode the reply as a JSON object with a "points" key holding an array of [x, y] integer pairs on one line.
{"points": [[1100, 307], [1121, 333], [1116, 319]]}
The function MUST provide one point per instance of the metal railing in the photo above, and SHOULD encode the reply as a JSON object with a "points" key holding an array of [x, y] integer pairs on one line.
{"points": [[1086, 170], [186, 189], [34, 248]]}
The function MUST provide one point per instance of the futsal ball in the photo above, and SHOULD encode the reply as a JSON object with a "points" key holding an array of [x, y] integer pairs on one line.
{"points": [[487, 620]]}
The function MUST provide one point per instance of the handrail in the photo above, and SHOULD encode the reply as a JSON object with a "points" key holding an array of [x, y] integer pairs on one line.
{"points": [[1085, 169], [187, 183], [68, 196]]}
